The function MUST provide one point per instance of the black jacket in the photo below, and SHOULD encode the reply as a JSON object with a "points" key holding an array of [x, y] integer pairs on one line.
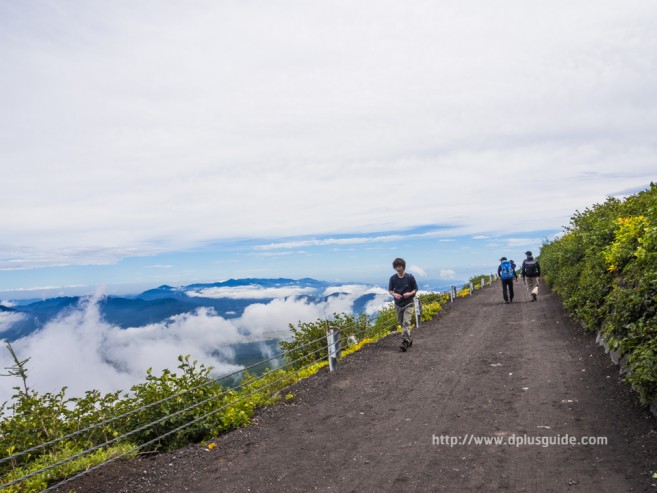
{"points": [[524, 268]]}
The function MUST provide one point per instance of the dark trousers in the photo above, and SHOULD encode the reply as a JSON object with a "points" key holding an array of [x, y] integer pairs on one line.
{"points": [[507, 284]]}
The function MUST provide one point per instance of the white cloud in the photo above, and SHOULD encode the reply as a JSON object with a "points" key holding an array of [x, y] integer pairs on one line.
{"points": [[275, 316], [347, 295], [82, 351], [120, 139], [381, 300], [447, 274], [515, 242], [351, 289], [415, 269], [335, 241], [7, 319], [253, 291]]}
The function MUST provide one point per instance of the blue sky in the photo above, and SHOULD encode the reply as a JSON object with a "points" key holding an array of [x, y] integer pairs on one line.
{"points": [[144, 144], [432, 254]]}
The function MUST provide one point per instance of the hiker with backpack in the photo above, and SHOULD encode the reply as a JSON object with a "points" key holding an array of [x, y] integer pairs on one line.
{"points": [[531, 271], [403, 288], [507, 272]]}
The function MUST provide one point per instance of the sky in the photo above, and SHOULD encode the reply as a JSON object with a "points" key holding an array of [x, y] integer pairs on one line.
{"points": [[149, 143]]}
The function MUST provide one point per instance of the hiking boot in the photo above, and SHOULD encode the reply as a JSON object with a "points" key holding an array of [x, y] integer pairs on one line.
{"points": [[533, 296], [404, 345], [410, 342]]}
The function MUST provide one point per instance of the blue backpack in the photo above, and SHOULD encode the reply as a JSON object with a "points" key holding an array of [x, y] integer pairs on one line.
{"points": [[506, 271]]}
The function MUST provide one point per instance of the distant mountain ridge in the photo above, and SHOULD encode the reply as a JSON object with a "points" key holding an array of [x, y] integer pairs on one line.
{"points": [[158, 304], [228, 298]]}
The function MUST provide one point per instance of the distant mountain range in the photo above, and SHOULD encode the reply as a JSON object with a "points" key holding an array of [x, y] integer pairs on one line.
{"points": [[228, 298]]}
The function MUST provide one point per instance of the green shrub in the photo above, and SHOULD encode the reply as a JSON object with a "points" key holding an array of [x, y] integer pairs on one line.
{"points": [[604, 268]]}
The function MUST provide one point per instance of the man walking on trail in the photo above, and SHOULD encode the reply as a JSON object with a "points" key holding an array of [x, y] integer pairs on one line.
{"points": [[507, 272], [531, 271], [403, 288]]}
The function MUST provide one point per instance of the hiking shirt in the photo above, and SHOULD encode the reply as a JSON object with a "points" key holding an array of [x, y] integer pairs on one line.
{"points": [[524, 268], [401, 285]]}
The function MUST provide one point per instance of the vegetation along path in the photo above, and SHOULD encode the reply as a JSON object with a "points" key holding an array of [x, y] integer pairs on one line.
{"points": [[393, 421]]}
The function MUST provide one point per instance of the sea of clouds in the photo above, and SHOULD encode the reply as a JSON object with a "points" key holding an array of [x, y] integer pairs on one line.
{"points": [[82, 351]]}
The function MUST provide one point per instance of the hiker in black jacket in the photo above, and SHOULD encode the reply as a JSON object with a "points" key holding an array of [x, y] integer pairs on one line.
{"points": [[531, 271], [403, 288]]}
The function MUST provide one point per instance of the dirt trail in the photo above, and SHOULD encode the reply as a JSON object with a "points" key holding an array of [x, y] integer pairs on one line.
{"points": [[384, 421]]}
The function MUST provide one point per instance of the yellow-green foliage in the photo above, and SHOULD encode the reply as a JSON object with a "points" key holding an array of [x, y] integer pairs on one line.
{"points": [[604, 268], [358, 346], [41, 481], [629, 241], [463, 293], [430, 310]]}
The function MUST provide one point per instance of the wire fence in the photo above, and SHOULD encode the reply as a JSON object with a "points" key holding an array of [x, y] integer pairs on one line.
{"points": [[313, 355], [137, 410], [349, 334]]}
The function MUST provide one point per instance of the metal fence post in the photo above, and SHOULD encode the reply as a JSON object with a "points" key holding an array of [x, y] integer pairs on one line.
{"points": [[334, 349], [483, 283], [418, 311], [491, 279], [471, 287], [451, 294]]}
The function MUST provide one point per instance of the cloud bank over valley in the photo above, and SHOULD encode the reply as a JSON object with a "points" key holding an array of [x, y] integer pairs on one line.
{"points": [[81, 350]]}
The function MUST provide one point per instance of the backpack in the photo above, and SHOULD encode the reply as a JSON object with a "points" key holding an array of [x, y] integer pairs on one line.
{"points": [[531, 268], [506, 271]]}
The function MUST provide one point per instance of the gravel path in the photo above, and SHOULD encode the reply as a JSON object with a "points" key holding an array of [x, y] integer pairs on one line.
{"points": [[393, 421]]}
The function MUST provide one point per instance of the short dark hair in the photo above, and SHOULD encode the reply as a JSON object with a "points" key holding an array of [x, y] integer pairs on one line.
{"points": [[399, 261]]}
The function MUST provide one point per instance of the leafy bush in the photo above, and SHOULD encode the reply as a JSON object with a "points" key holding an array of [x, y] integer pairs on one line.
{"points": [[430, 310], [476, 281], [605, 270], [309, 343]]}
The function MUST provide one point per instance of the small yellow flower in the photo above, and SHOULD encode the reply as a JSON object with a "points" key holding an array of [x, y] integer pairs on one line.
{"points": [[211, 446]]}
